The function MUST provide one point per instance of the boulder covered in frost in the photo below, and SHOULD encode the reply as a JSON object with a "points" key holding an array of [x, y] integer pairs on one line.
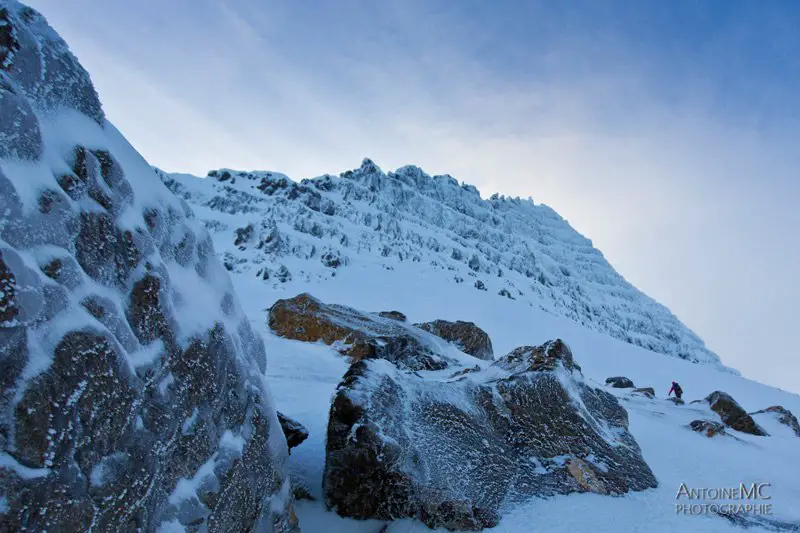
{"points": [[707, 427], [467, 336], [353, 333], [132, 389], [620, 382], [456, 453]]}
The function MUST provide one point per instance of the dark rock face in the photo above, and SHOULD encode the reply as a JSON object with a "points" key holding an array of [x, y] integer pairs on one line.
{"points": [[355, 334], [732, 414], [455, 454], [394, 315], [650, 392], [620, 382], [784, 416], [130, 396], [294, 431], [707, 427], [8, 290], [466, 335]]}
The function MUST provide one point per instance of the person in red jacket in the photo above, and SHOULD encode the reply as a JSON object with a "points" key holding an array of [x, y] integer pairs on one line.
{"points": [[676, 389]]}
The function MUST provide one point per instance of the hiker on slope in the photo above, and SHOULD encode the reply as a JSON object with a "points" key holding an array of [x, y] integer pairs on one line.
{"points": [[676, 389]]}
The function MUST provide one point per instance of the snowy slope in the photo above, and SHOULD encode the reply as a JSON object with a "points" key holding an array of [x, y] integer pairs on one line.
{"points": [[511, 247], [303, 378], [359, 256]]}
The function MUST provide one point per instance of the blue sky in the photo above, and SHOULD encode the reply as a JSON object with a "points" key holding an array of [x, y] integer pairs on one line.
{"points": [[664, 131]]}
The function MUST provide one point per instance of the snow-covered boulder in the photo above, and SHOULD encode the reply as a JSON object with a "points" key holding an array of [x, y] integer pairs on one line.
{"points": [[708, 427], [781, 415], [649, 392], [732, 414], [355, 334], [469, 338], [132, 383], [620, 382], [457, 452]]}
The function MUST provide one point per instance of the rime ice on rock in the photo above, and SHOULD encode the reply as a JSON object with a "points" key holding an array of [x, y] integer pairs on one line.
{"points": [[529, 253], [456, 453], [122, 406]]}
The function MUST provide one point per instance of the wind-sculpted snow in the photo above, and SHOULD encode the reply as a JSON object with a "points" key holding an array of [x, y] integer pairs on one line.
{"points": [[132, 383], [512, 247], [457, 452]]}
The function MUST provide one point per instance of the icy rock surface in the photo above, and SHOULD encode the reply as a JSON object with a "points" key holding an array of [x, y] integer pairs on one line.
{"points": [[732, 414], [457, 452], [355, 334], [513, 247], [708, 427], [620, 382], [132, 383], [467, 336], [783, 416]]}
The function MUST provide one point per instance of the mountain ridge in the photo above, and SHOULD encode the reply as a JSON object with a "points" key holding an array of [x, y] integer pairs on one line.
{"points": [[408, 214]]}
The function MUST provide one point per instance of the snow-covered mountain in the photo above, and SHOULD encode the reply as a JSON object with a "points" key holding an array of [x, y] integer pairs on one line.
{"points": [[438, 360], [270, 226]]}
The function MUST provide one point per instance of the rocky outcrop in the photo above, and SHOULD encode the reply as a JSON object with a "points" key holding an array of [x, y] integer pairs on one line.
{"points": [[496, 245], [620, 382], [469, 338], [455, 453], [708, 427], [294, 431], [732, 414], [783, 415], [650, 392], [122, 407], [394, 315], [353, 333]]}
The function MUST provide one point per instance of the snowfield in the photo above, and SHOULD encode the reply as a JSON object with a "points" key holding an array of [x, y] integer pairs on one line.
{"points": [[303, 378]]}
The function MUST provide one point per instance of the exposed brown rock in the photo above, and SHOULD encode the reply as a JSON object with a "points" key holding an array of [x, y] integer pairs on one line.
{"points": [[353, 333], [732, 414], [466, 335]]}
